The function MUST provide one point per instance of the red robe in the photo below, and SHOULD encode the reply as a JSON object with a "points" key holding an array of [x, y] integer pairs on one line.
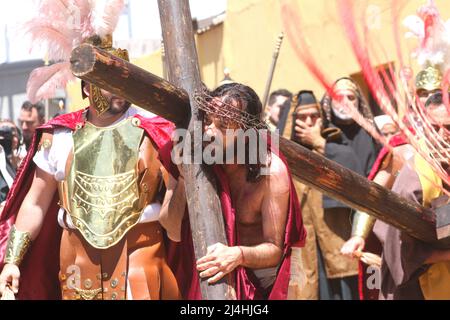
{"points": [[40, 267], [372, 243], [181, 256]]}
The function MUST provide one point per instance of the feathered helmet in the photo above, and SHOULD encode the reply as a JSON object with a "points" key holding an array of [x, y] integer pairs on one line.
{"points": [[61, 25], [99, 102], [432, 53]]}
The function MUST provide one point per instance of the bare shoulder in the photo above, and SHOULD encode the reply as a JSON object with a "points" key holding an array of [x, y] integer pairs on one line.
{"points": [[278, 175]]}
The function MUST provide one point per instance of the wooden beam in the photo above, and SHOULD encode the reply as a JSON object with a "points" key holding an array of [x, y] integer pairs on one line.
{"points": [[310, 168], [356, 191], [142, 88], [272, 69]]}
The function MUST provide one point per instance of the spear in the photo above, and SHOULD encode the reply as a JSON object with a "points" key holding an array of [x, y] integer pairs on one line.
{"points": [[272, 68]]}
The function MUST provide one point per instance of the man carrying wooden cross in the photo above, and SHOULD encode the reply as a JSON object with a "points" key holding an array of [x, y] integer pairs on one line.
{"points": [[259, 204]]}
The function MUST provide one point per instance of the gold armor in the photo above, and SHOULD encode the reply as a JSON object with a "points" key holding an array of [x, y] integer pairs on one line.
{"points": [[111, 176], [17, 246], [101, 191], [100, 103], [362, 224]]}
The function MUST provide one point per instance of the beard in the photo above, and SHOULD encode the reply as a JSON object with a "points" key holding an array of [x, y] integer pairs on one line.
{"points": [[117, 106], [342, 115], [114, 105]]}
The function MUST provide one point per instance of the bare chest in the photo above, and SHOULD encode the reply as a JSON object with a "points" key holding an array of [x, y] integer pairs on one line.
{"points": [[247, 202]]}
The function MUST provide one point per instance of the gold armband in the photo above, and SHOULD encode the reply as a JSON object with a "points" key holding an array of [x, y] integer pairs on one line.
{"points": [[18, 244], [362, 224]]}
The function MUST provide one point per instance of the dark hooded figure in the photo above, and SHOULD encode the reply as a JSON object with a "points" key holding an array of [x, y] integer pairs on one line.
{"points": [[354, 149]]}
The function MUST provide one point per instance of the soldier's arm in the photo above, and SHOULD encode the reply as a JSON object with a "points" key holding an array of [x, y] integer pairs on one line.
{"points": [[362, 222], [173, 208], [36, 203], [26, 229]]}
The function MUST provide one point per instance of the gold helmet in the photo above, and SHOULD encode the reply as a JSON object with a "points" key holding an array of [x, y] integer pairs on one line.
{"points": [[100, 103], [42, 82], [429, 79]]}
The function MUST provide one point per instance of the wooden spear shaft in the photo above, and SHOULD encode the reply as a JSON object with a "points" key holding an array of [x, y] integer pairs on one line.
{"points": [[161, 97], [272, 68], [205, 213]]}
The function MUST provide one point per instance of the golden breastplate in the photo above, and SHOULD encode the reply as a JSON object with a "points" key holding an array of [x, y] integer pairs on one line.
{"points": [[101, 192]]}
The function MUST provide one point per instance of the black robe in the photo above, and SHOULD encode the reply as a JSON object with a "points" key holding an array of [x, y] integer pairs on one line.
{"points": [[354, 149]]}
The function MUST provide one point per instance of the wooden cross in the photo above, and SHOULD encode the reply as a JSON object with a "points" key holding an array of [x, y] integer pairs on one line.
{"points": [[173, 101], [205, 213]]}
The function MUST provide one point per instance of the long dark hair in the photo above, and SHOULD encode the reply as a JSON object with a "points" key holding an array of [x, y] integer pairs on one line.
{"points": [[247, 100]]}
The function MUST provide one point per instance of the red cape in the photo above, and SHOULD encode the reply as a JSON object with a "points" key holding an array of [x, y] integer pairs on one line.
{"points": [[372, 243], [181, 255], [40, 267]]}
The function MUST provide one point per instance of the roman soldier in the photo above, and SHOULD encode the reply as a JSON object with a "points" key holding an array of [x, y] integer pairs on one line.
{"points": [[81, 220]]}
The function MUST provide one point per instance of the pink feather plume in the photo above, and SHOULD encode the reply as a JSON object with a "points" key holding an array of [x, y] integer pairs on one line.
{"points": [[44, 81], [58, 27], [107, 16], [49, 34]]}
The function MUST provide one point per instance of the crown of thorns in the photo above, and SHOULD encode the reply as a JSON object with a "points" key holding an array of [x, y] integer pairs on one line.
{"points": [[227, 112]]}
